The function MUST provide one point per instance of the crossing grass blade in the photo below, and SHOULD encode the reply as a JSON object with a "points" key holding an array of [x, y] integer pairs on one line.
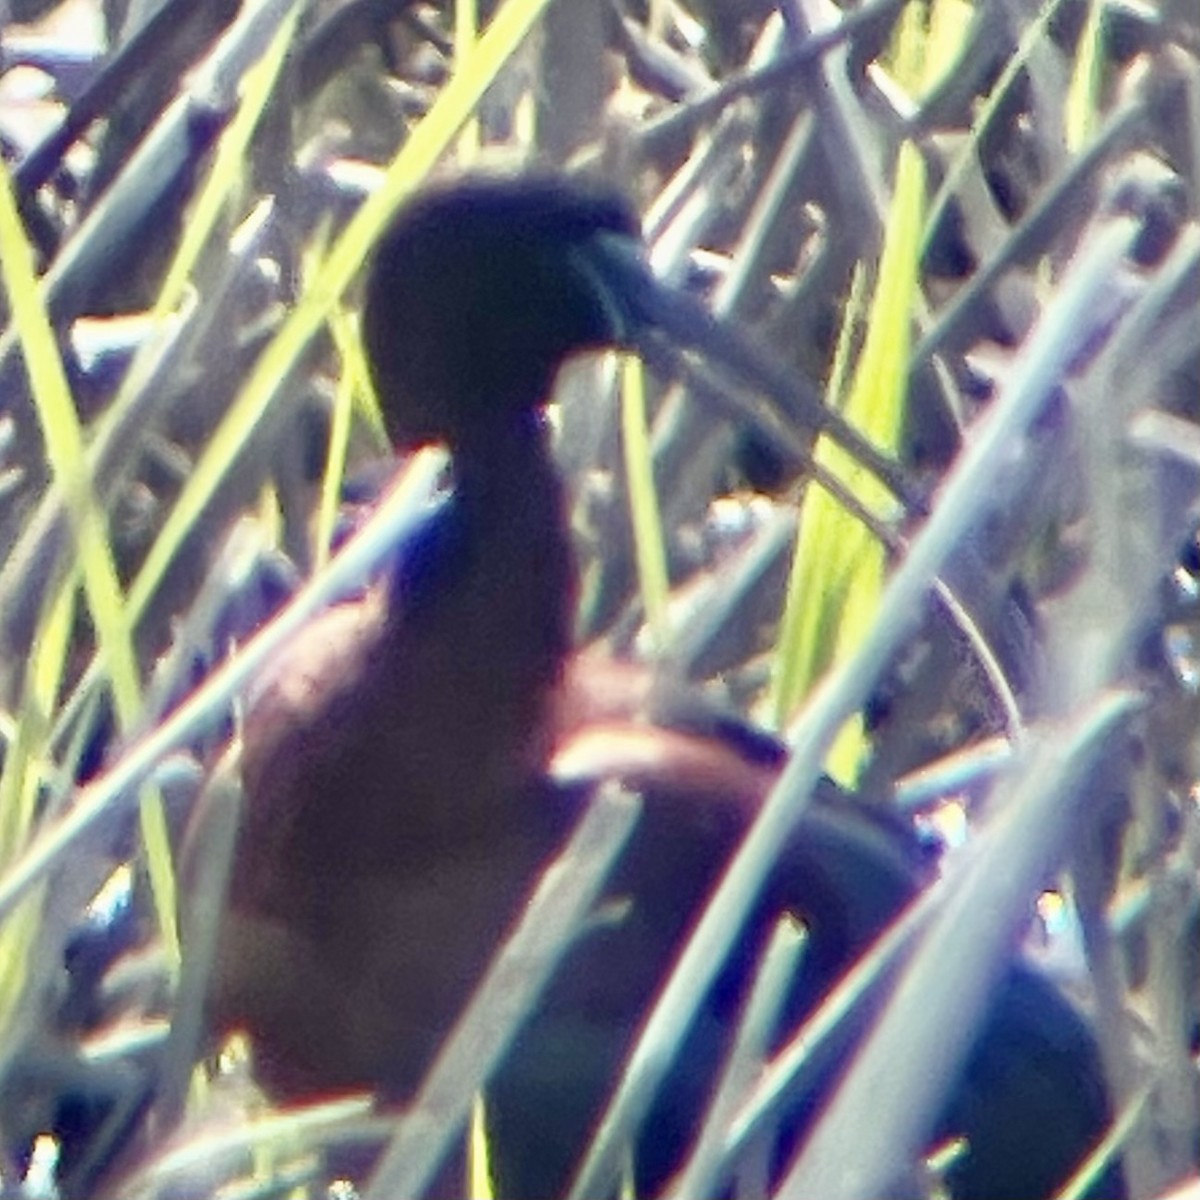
{"points": [[838, 569]]}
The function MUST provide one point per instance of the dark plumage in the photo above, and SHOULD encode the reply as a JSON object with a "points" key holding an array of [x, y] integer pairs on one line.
{"points": [[385, 755], [398, 805]]}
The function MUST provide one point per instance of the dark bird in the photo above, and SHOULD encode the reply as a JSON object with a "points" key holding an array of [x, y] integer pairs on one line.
{"points": [[398, 802]]}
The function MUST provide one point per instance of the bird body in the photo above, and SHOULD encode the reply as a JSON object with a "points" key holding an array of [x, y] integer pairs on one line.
{"points": [[416, 759], [385, 850], [436, 687]]}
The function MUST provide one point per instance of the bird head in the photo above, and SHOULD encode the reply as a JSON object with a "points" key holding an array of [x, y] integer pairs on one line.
{"points": [[476, 296]]}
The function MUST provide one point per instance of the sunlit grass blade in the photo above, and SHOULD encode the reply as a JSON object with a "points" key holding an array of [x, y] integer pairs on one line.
{"points": [[926, 44], [643, 499], [803, 629], [466, 33], [64, 442], [65, 452], [20, 785], [837, 573], [479, 1166], [1083, 95]]}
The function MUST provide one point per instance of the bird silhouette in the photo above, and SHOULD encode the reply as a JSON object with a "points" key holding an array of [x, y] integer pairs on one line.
{"points": [[405, 768]]}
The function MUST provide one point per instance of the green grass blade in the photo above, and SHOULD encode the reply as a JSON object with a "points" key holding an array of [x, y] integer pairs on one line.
{"points": [[643, 499], [479, 1167], [65, 449], [837, 574], [20, 784], [65, 452], [466, 33], [1083, 95]]}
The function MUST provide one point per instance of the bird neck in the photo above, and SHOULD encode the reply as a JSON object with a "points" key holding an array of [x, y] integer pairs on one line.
{"points": [[484, 611], [510, 500]]}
